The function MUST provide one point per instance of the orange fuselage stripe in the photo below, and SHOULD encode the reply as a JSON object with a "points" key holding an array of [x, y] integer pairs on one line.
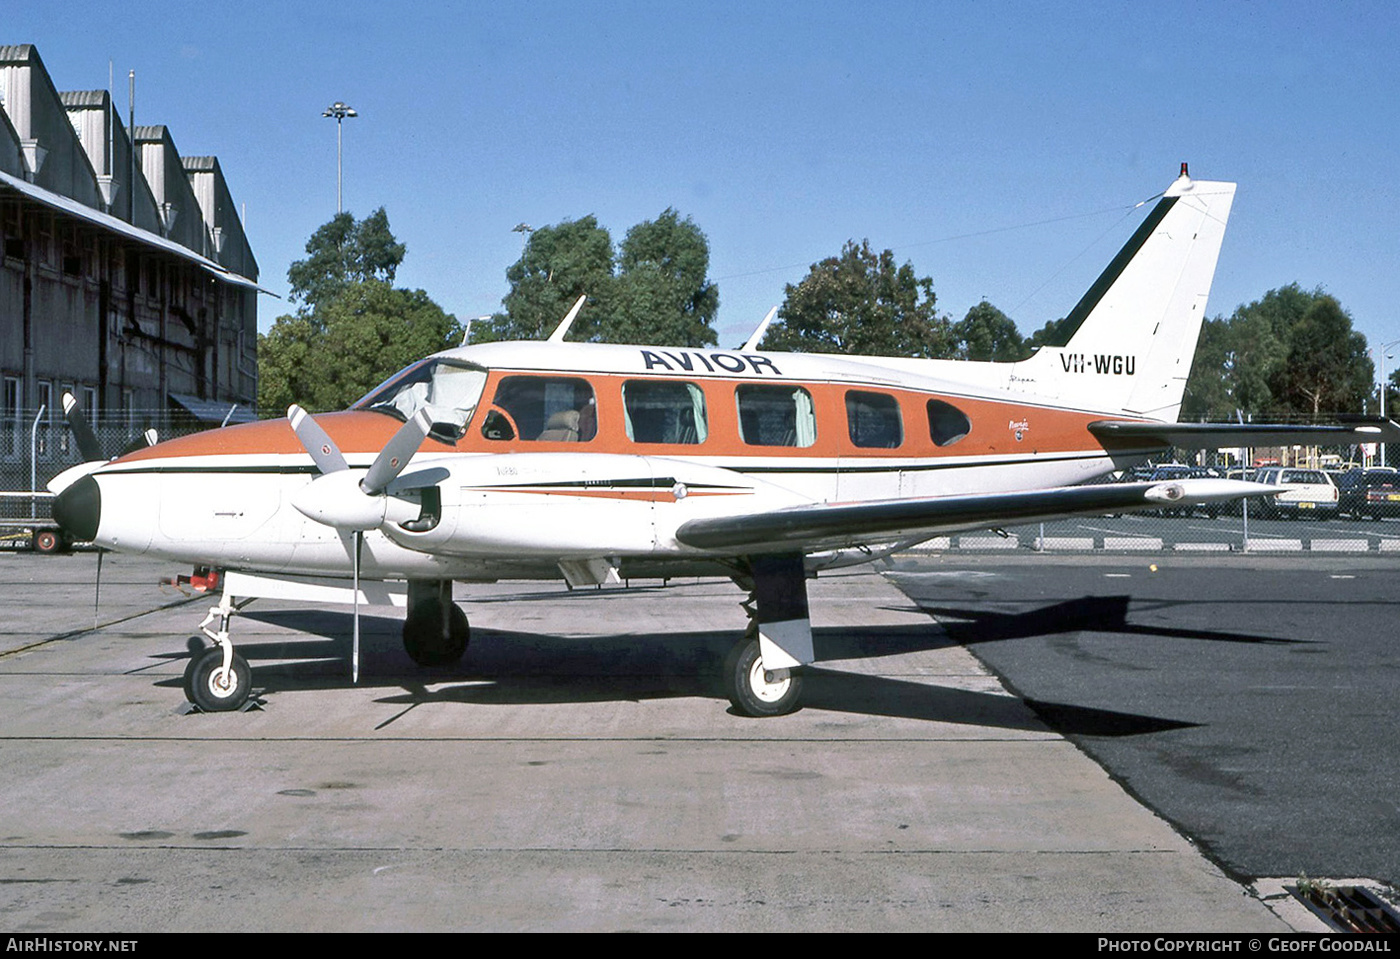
{"points": [[998, 428]]}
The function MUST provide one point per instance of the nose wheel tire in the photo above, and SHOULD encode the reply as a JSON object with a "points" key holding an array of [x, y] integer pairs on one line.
{"points": [[213, 689], [755, 691]]}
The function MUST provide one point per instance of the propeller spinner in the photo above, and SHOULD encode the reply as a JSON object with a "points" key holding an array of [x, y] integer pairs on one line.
{"points": [[339, 498]]}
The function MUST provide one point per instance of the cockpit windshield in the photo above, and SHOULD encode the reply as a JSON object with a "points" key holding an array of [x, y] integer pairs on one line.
{"points": [[448, 389]]}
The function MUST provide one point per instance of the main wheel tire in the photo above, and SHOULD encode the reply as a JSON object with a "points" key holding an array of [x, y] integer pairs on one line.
{"points": [[423, 637], [48, 541], [754, 691], [211, 689]]}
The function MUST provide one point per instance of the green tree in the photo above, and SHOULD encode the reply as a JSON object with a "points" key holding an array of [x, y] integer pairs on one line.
{"points": [[1292, 352], [986, 333], [328, 359], [353, 328], [560, 264], [664, 295], [345, 251], [654, 289], [1326, 368], [289, 364], [862, 303]]}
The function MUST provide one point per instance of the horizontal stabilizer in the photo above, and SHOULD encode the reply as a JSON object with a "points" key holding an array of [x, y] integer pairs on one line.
{"points": [[1210, 436]]}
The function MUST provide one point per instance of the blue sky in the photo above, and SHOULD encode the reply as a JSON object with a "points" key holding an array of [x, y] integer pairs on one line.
{"points": [[996, 146]]}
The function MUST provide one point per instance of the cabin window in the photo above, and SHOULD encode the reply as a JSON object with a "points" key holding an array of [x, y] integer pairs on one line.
{"points": [[946, 423], [873, 420], [546, 409], [776, 415], [664, 411]]}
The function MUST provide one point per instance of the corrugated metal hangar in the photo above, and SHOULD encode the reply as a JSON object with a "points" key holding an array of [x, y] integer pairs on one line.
{"points": [[125, 274]]}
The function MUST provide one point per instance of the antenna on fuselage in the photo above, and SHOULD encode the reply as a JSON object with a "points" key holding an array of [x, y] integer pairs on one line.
{"points": [[558, 335], [467, 329], [752, 342]]}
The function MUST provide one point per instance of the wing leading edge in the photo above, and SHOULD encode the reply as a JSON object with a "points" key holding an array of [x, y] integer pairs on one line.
{"points": [[832, 526]]}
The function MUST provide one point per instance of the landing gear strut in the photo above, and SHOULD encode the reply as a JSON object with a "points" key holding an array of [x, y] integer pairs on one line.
{"points": [[777, 608], [436, 631], [219, 680]]}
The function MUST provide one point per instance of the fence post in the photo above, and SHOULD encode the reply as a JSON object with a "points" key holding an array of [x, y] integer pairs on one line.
{"points": [[34, 460]]}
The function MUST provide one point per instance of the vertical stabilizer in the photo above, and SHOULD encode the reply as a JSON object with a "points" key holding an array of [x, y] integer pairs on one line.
{"points": [[1127, 345]]}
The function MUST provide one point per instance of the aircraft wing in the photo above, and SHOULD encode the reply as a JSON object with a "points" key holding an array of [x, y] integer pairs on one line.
{"points": [[1209, 436], [831, 526]]}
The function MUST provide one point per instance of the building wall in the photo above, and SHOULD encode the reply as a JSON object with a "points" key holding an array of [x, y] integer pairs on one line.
{"points": [[101, 299]]}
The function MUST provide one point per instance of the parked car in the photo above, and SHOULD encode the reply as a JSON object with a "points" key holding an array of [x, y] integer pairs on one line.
{"points": [[1236, 506], [1373, 492], [1305, 492]]}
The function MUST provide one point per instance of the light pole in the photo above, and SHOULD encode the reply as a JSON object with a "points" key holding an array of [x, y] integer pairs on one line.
{"points": [[340, 111], [1383, 357]]}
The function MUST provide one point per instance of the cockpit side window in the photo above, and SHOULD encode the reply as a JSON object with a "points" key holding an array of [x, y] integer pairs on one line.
{"points": [[545, 409], [449, 390]]}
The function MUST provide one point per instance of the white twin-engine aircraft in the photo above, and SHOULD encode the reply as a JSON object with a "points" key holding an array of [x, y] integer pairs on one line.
{"points": [[598, 462]]}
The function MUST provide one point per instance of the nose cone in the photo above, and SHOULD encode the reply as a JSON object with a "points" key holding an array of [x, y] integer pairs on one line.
{"points": [[78, 508]]}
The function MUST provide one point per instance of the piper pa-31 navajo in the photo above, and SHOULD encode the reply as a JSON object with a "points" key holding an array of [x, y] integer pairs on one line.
{"points": [[597, 462]]}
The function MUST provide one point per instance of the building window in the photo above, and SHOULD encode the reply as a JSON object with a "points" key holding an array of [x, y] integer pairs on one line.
{"points": [[10, 414], [664, 411], [547, 409], [776, 415], [13, 228], [873, 420]]}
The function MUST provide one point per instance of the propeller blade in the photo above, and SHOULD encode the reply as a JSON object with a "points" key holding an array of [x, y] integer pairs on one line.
{"points": [[88, 447], [147, 438], [316, 441], [355, 640], [396, 453]]}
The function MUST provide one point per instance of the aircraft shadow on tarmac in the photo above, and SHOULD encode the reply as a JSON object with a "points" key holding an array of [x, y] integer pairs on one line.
{"points": [[1102, 614], [504, 667]]}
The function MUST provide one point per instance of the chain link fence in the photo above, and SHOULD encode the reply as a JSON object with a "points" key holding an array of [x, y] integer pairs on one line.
{"points": [[35, 448]]}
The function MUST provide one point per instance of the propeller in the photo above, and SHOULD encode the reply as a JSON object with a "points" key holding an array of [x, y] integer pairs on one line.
{"points": [[338, 499], [86, 439], [88, 446]]}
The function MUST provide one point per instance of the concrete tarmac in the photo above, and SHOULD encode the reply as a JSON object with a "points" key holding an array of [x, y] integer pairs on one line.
{"points": [[580, 770]]}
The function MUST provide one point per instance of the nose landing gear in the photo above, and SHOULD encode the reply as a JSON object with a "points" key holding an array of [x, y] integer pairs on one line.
{"points": [[219, 680]]}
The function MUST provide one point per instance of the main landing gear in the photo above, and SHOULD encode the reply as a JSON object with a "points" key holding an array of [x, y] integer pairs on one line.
{"points": [[754, 690], [436, 632], [777, 607]]}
